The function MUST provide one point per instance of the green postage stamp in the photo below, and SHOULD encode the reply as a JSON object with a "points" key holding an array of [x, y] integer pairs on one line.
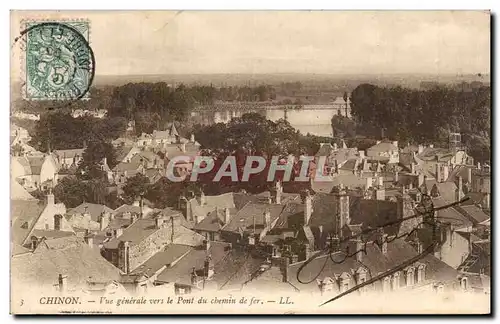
{"points": [[58, 62]]}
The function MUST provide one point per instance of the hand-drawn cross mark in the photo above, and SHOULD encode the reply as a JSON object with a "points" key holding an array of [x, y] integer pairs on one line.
{"points": [[429, 210]]}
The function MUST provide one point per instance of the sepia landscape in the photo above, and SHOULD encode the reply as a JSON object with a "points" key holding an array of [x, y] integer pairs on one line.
{"points": [[250, 162]]}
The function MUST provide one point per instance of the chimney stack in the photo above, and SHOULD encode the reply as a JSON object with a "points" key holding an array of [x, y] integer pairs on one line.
{"points": [[192, 138], [420, 180], [209, 267], [420, 149], [479, 165], [278, 191], [396, 176], [183, 147], [412, 168], [460, 193], [103, 221], [227, 215], [469, 176], [203, 200], [308, 210], [267, 218], [368, 184], [50, 199], [395, 143], [206, 244], [486, 201], [381, 182], [446, 172], [63, 282], [307, 251], [438, 173], [285, 262], [158, 222], [89, 239]]}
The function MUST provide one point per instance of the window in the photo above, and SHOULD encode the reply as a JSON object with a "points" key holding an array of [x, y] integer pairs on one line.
{"points": [[421, 273], [463, 283], [410, 277], [395, 281], [386, 284], [57, 222]]}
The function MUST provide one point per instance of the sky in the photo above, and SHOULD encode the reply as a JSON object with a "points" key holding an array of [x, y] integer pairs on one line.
{"points": [[322, 42]]}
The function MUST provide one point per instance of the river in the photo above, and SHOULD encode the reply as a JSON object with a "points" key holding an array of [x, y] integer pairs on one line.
{"points": [[313, 119]]}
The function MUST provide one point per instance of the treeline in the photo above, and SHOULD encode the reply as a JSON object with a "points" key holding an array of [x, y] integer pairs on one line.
{"points": [[424, 116], [59, 130]]}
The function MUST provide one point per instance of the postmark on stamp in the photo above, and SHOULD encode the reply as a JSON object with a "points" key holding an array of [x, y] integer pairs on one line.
{"points": [[58, 61]]}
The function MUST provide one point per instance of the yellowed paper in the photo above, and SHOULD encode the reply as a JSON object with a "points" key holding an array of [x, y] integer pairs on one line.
{"points": [[250, 162]]}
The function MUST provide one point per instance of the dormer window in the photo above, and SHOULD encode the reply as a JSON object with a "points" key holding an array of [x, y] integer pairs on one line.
{"points": [[464, 284], [410, 277], [395, 281], [386, 284], [420, 273]]}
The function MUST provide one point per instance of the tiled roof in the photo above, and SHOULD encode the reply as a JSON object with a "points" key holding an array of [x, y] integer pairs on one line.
{"points": [[51, 234], [78, 261], [134, 234], [126, 166], [447, 190], [95, 210]]}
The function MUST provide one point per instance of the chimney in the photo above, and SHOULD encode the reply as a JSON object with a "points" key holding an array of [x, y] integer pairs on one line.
{"points": [[203, 200], [368, 184], [158, 222], [395, 143], [50, 199], [89, 239], [396, 176], [192, 138], [410, 185], [34, 242], [486, 201], [438, 173], [469, 176], [380, 194], [412, 168], [335, 147], [381, 182], [227, 216], [285, 262], [103, 221], [63, 282], [267, 218], [361, 154], [420, 149], [460, 192], [118, 232], [381, 241], [308, 210], [183, 147], [446, 172], [141, 205], [357, 247], [206, 244], [278, 191], [343, 212], [420, 179], [133, 218], [431, 145], [123, 256], [307, 251], [479, 165], [208, 267]]}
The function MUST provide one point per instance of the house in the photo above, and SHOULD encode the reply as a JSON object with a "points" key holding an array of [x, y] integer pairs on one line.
{"points": [[35, 172], [385, 152], [68, 158], [88, 216], [341, 160], [195, 209], [146, 236], [210, 227], [66, 264], [32, 220]]}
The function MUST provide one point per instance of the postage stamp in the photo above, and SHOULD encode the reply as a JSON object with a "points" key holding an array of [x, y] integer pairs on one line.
{"points": [[58, 61]]}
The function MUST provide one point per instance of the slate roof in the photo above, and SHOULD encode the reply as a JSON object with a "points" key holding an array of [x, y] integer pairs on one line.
{"points": [[447, 190], [167, 257], [383, 147], [24, 214], [473, 213], [214, 220], [69, 154], [436, 154], [245, 217], [73, 258], [95, 210], [17, 192], [181, 272]]}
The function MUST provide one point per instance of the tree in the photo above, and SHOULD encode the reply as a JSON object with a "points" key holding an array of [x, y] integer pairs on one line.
{"points": [[136, 187], [90, 167], [343, 127]]}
